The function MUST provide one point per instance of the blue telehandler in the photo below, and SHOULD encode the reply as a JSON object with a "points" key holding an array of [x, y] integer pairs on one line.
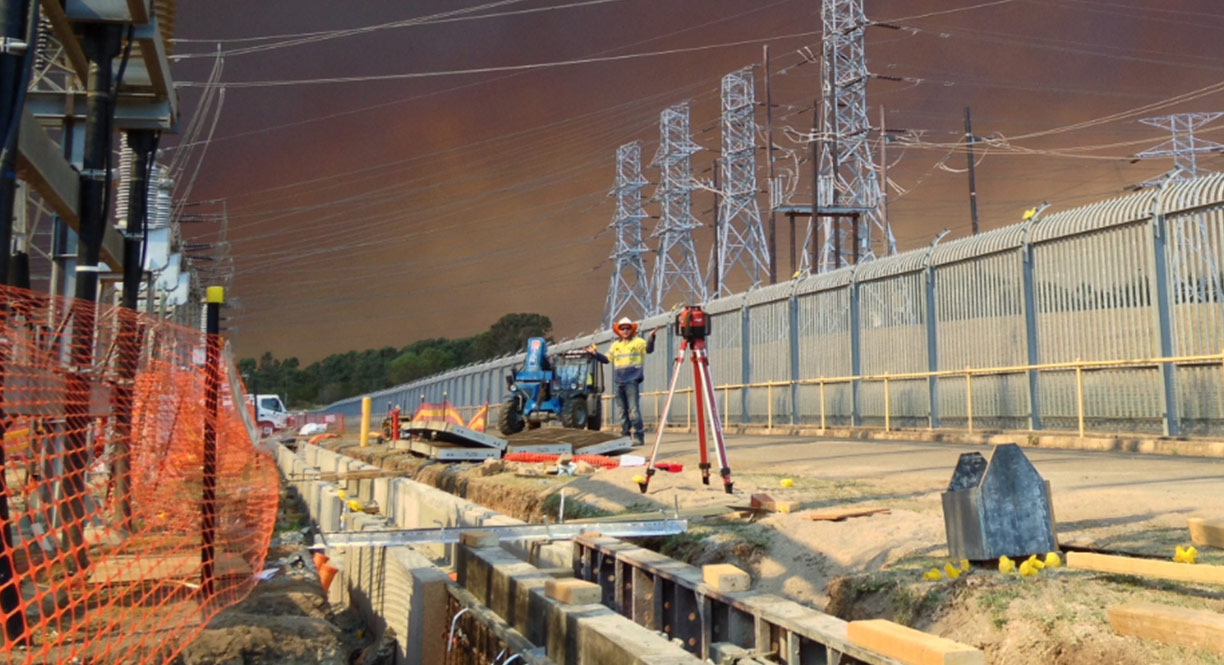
{"points": [[567, 387]]}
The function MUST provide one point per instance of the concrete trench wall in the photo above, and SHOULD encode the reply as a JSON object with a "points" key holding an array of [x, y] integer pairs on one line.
{"points": [[648, 599]]}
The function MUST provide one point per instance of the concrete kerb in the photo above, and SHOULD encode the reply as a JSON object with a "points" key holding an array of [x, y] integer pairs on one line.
{"points": [[571, 633]]}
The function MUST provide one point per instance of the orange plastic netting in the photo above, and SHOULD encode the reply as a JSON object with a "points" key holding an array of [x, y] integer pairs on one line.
{"points": [[136, 503]]}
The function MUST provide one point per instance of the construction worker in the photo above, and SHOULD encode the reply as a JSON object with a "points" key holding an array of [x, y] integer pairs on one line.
{"points": [[628, 355]]}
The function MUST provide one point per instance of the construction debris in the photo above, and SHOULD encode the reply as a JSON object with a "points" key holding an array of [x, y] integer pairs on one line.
{"points": [[846, 513]]}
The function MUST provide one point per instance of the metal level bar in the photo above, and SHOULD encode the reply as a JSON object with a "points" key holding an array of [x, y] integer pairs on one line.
{"points": [[567, 531]]}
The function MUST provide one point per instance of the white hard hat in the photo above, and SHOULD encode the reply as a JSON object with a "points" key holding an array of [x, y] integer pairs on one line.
{"points": [[624, 322]]}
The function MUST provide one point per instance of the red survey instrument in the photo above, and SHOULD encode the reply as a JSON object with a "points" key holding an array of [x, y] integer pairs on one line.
{"points": [[693, 325]]}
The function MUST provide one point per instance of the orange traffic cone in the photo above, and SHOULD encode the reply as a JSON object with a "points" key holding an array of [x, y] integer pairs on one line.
{"points": [[326, 574], [319, 559]]}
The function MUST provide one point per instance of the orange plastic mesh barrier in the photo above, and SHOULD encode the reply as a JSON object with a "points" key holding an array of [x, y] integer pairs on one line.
{"points": [[135, 503]]}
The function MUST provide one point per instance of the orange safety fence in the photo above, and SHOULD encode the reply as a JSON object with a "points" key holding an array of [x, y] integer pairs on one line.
{"points": [[480, 419], [135, 502]]}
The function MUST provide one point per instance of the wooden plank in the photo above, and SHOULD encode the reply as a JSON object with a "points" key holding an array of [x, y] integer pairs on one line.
{"points": [[1207, 533], [156, 567], [1202, 629], [1167, 570], [911, 646], [839, 515]]}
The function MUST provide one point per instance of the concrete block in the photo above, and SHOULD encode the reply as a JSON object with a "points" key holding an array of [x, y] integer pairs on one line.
{"points": [[573, 592], [725, 578], [478, 538]]}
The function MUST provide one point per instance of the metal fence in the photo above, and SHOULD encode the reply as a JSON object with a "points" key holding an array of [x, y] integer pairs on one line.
{"points": [[1106, 318]]}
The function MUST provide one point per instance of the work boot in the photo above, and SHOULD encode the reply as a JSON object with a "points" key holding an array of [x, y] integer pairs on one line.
{"points": [[639, 440]]}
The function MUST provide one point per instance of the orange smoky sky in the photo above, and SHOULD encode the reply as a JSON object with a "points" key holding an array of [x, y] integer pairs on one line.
{"points": [[375, 213]]}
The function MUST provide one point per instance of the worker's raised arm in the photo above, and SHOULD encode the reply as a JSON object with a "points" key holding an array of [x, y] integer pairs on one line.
{"points": [[650, 340], [594, 351]]}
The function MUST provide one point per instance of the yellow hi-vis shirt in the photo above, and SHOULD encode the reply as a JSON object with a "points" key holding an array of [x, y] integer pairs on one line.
{"points": [[627, 357]]}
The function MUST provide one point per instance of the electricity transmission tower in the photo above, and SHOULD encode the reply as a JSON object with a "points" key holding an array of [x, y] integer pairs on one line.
{"points": [[1182, 146], [630, 281], [1194, 267], [741, 238], [675, 265], [847, 185]]}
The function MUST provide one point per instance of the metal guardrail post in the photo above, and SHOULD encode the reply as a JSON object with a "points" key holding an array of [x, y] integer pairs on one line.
{"points": [[969, 396], [1079, 395], [887, 406]]}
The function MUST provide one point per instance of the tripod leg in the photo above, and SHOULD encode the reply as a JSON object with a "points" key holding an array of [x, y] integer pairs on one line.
{"points": [[671, 392], [720, 444], [699, 397]]}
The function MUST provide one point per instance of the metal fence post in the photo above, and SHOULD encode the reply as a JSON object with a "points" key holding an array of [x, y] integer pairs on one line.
{"points": [[969, 397], [932, 350], [793, 307], [215, 297], [745, 362], [1030, 325], [856, 359], [1164, 322], [1079, 395]]}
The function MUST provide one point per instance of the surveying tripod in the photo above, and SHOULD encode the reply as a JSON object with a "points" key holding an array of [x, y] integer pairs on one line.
{"points": [[693, 325]]}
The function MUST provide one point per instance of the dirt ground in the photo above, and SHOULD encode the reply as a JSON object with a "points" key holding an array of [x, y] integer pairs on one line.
{"points": [[872, 567], [285, 620]]}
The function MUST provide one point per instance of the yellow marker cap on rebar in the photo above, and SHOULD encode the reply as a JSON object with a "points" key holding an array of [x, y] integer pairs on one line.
{"points": [[215, 295]]}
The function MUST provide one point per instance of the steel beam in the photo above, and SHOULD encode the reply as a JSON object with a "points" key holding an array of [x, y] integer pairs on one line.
{"points": [[145, 112], [40, 164], [567, 531], [117, 11]]}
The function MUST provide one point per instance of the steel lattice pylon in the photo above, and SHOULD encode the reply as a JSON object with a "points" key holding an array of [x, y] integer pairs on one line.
{"points": [[1193, 266], [630, 287], [741, 239], [847, 173], [1182, 146], [676, 258]]}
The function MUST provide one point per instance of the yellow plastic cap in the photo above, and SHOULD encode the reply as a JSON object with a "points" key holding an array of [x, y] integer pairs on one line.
{"points": [[215, 295]]}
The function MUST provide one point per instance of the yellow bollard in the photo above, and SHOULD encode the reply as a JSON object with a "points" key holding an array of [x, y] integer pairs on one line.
{"points": [[822, 405], [887, 409], [769, 404], [365, 420]]}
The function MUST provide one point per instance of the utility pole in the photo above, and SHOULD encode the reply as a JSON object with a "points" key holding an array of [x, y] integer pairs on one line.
{"points": [[883, 169], [772, 232], [718, 222], [969, 139], [811, 244]]}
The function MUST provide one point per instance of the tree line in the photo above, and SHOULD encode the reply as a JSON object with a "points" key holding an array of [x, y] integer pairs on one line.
{"points": [[342, 375]]}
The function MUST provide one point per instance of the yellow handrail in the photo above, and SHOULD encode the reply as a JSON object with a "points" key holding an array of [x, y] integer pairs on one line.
{"points": [[1079, 366]]}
